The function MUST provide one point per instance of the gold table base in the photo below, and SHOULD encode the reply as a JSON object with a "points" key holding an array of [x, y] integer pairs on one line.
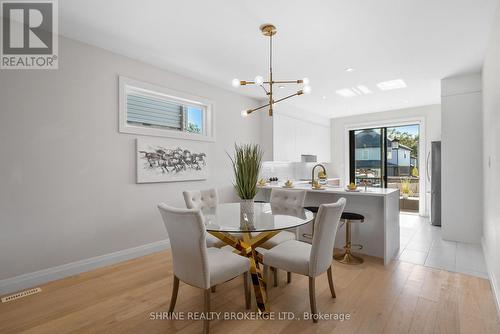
{"points": [[246, 247]]}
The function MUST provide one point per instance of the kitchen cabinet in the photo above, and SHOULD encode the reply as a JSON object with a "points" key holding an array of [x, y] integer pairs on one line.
{"points": [[293, 137]]}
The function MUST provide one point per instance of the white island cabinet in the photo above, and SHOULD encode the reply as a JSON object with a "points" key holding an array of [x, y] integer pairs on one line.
{"points": [[378, 234]]}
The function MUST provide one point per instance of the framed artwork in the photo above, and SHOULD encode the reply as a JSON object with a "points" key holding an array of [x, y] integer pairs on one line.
{"points": [[163, 160]]}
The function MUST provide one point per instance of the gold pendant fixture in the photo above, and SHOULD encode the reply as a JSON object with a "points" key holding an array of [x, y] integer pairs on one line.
{"points": [[269, 30]]}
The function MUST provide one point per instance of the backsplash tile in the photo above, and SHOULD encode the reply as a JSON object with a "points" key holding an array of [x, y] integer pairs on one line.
{"points": [[285, 170]]}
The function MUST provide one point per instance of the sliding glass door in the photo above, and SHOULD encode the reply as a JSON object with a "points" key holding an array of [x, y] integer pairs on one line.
{"points": [[387, 157]]}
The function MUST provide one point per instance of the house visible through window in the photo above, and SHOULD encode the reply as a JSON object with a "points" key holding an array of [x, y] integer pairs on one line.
{"points": [[152, 110], [148, 109]]}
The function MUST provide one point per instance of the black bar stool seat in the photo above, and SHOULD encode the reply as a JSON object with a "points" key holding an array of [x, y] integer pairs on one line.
{"points": [[347, 257], [313, 209], [352, 216]]}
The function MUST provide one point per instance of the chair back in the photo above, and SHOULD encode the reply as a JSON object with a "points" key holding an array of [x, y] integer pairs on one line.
{"points": [[287, 198], [201, 199], [187, 236], [325, 230]]}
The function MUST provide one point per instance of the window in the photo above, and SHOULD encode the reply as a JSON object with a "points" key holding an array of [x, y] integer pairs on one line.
{"points": [[365, 154], [158, 111]]}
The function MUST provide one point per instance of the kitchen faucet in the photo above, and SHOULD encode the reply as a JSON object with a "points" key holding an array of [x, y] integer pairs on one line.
{"points": [[314, 168]]}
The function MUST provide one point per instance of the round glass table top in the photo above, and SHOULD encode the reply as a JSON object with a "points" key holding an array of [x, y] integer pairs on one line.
{"points": [[254, 217]]}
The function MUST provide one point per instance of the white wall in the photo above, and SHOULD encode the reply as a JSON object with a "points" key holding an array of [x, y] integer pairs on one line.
{"points": [[461, 156], [430, 115], [491, 158], [295, 132], [67, 177]]}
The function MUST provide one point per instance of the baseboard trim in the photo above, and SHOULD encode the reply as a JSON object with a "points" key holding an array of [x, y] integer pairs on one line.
{"points": [[29, 280], [493, 279]]}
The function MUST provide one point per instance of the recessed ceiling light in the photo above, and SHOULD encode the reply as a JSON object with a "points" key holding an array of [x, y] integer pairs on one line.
{"points": [[281, 87], [391, 84], [359, 90], [323, 97], [355, 90], [364, 89], [345, 92], [349, 69]]}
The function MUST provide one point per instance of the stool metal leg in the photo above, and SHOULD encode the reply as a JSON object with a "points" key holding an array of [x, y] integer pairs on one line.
{"points": [[347, 257]]}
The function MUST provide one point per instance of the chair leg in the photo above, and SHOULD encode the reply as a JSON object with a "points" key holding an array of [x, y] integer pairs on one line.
{"points": [[248, 304], [173, 299], [266, 275], [206, 322], [312, 298], [330, 282], [275, 277], [288, 277], [213, 288]]}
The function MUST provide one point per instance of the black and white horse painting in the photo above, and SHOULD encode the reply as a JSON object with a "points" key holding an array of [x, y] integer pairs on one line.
{"points": [[158, 162]]}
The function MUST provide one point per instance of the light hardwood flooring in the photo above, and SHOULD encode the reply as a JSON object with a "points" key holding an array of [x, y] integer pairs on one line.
{"points": [[399, 298]]}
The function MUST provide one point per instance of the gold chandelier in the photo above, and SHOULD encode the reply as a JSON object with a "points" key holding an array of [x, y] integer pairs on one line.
{"points": [[269, 30]]}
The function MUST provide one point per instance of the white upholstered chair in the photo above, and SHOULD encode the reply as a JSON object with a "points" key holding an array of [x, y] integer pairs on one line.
{"points": [[306, 259], [193, 262], [204, 199], [284, 199]]}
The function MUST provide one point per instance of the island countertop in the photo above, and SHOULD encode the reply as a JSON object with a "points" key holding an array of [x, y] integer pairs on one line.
{"points": [[379, 233], [335, 190]]}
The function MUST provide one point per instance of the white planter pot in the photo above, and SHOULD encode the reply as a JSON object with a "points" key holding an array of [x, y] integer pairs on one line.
{"points": [[247, 214]]}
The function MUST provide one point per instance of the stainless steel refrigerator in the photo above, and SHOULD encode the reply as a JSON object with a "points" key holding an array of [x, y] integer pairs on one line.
{"points": [[434, 175]]}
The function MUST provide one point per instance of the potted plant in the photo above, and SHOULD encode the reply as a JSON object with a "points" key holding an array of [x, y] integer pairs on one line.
{"points": [[405, 188], [246, 161]]}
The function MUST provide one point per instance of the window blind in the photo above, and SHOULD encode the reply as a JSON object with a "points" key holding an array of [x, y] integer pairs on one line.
{"points": [[156, 111]]}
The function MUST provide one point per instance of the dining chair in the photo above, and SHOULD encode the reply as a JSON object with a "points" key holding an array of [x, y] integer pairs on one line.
{"points": [[206, 199], [284, 199], [193, 262], [203, 199], [309, 259]]}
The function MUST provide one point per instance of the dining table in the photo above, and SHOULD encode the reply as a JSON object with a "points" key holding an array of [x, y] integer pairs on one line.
{"points": [[246, 226]]}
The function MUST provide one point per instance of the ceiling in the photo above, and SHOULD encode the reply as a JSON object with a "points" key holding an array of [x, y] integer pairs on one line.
{"points": [[418, 41]]}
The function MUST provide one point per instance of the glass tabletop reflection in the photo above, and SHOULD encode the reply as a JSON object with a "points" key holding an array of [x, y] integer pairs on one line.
{"points": [[259, 217]]}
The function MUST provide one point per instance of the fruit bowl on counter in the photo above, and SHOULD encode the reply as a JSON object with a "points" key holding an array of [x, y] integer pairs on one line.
{"points": [[352, 187]]}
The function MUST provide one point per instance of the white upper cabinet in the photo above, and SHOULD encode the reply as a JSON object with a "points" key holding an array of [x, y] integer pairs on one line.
{"points": [[293, 137]]}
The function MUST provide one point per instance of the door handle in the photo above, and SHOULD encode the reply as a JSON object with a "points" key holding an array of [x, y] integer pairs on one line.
{"points": [[427, 166]]}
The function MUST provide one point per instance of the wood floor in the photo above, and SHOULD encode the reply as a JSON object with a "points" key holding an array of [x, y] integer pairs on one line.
{"points": [[399, 298]]}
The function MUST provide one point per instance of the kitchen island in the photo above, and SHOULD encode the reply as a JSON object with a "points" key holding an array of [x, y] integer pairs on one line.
{"points": [[379, 233]]}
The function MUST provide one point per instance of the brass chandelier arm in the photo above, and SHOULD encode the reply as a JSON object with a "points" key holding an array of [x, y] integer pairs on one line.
{"points": [[243, 82], [249, 111], [287, 82], [274, 102], [269, 30]]}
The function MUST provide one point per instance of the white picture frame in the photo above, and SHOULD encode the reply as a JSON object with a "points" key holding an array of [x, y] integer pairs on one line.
{"points": [[163, 160]]}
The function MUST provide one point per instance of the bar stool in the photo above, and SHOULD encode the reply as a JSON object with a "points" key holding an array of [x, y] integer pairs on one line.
{"points": [[347, 257]]}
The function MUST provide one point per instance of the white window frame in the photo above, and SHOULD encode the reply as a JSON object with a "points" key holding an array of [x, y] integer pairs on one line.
{"points": [[206, 104]]}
